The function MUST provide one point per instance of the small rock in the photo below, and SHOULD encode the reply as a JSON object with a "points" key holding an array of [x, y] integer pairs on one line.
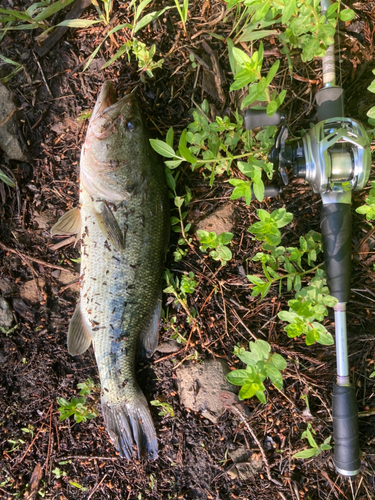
{"points": [[6, 316], [32, 291], [7, 287], [9, 141], [247, 463], [199, 387], [69, 278], [168, 347], [220, 221]]}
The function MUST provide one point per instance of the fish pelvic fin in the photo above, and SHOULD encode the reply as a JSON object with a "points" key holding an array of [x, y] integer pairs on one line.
{"points": [[69, 223], [130, 426], [109, 225], [79, 333], [148, 340]]}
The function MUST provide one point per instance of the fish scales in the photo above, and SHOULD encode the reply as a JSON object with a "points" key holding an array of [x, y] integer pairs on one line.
{"points": [[124, 226]]}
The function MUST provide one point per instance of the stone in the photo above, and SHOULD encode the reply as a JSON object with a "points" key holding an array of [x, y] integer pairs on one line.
{"points": [[9, 140], [220, 221], [200, 385], [247, 463], [31, 291], [6, 316]]}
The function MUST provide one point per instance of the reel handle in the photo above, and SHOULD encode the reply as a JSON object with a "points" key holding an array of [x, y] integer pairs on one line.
{"points": [[336, 227], [345, 430]]}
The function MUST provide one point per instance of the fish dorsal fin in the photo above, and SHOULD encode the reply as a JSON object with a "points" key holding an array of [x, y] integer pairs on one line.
{"points": [[148, 339], [109, 225], [79, 334], [69, 223]]}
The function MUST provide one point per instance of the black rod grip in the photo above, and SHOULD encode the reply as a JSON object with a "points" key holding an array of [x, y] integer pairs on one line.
{"points": [[345, 430], [255, 118], [336, 227]]}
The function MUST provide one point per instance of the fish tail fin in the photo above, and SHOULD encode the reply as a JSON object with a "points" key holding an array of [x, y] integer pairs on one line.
{"points": [[130, 427]]}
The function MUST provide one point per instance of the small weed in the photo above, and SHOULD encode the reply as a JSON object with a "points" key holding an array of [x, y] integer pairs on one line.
{"points": [[260, 365], [166, 408], [218, 243], [183, 11], [180, 289], [78, 486], [58, 473], [369, 208], [314, 449], [210, 147], [77, 407], [8, 331]]}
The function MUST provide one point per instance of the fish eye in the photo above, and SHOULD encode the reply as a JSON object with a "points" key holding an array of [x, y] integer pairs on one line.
{"points": [[132, 124]]}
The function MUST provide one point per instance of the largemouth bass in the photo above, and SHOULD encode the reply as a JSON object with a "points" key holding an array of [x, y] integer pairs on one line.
{"points": [[123, 221]]}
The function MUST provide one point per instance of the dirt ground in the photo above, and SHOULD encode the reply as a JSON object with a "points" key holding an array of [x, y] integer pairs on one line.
{"points": [[39, 282]]}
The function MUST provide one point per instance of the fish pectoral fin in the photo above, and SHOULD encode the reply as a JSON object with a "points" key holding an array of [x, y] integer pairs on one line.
{"points": [[79, 334], [109, 225], [69, 223], [148, 339]]}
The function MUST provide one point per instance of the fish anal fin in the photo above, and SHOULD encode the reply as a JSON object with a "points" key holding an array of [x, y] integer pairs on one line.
{"points": [[109, 225], [69, 223], [79, 335], [148, 340]]}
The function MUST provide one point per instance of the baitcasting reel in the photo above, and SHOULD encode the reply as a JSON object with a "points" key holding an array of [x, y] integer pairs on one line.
{"points": [[334, 157]]}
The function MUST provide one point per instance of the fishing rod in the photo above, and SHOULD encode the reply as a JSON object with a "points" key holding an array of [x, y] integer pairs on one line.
{"points": [[334, 157]]}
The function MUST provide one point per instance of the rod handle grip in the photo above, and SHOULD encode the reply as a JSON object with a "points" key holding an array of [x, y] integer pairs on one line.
{"points": [[254, 118], [345, 430], [336, 228]]}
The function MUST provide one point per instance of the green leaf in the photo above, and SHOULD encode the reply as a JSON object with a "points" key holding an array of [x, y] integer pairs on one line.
{"points": [[224, 253], [179, 201], [169, 137], [275, 376], [162, 148], [273, 70], [249, 35], [247, 391], [289, 10], [238, 377], [371, 113], [278, 361], [310, 452], [6, 180], [258, 188], [261, 349], [241, 57], [52, 9], [347, 15]]}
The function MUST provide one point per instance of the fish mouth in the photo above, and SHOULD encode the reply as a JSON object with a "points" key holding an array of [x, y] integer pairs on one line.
{"points": [[107, 98]]}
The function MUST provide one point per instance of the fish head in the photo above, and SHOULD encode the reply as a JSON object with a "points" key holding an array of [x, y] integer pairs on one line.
{"points": [[116, 141]]}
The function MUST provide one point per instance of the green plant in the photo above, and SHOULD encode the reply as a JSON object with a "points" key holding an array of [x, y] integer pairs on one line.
{"points": [[315, 449], [310, 304], [58, 473], [170, 324], [8, 331], [183, 12], [371, 112], [267, 229], [260, 365], [218, 243], [166, 408], [303, 27], [369, 208], [180, 289], [77, 407], [211, 146]]}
